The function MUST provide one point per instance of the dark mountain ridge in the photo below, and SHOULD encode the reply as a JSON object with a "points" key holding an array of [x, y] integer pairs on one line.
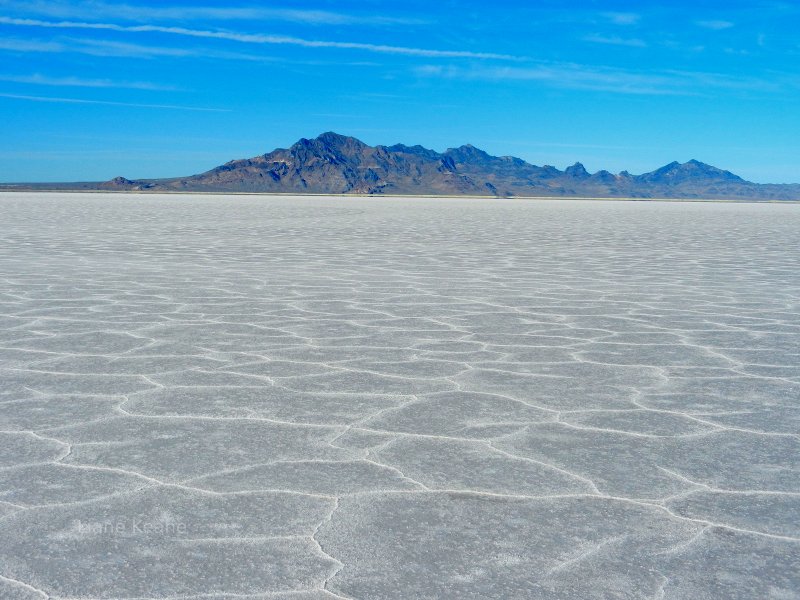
{"points": [[337, 164]]}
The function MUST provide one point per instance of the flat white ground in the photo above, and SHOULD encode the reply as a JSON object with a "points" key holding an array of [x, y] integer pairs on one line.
{"points": [[309, 398]]}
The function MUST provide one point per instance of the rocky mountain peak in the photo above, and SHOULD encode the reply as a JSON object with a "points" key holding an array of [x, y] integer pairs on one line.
{"points": [[693, 170], [577, 171], [467, 153]]}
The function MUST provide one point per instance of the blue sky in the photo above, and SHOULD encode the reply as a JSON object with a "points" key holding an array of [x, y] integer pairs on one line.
{"points": [[94, 89]]}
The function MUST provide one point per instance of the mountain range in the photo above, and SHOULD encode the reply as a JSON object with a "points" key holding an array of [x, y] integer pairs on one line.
{"points": [[338, 164]]}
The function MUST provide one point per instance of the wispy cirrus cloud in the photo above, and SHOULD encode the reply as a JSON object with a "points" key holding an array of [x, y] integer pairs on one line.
{"points": [[621, 18], [615, 40], [257, 38], [38, 79], [93, 47], [571, 76], [609, 79], [115, 49], [59, 100], [131, 12], [18, 45], [715, 25]]}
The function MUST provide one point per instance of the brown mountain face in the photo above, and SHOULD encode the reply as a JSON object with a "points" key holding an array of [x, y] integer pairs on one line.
{"points": [[337, 164]]}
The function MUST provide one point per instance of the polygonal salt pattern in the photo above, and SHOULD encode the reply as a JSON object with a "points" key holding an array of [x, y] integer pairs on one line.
{"points": [[310, 398]]}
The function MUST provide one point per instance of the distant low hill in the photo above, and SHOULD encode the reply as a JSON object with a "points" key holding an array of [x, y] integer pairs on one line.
{"points": [[337, 164]]}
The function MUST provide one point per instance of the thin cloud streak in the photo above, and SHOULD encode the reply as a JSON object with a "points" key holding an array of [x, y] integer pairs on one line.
{"points": [[622, 18], [38, 79], [109, 103], [128, 12], [614, 40], [607, 79], [715, 25], [91, 47], [112, 49], [250, 38], [567, 76], [108, 48], [16, 45]]}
